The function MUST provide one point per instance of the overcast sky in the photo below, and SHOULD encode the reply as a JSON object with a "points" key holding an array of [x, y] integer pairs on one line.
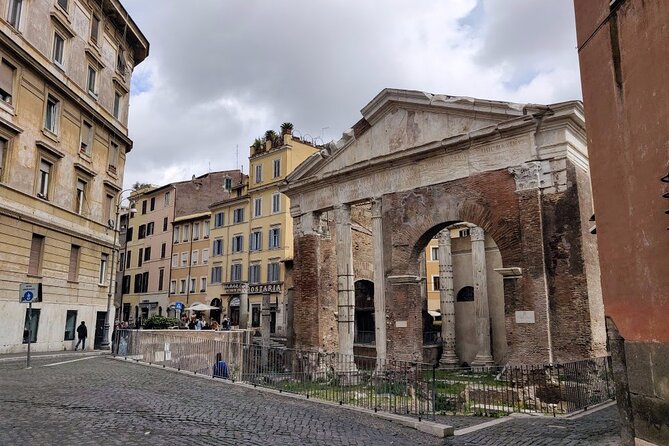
{"points": [[221, 72]]}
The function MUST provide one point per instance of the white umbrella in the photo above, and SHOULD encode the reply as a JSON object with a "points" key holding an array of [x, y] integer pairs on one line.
{"points": [[201, 307]]}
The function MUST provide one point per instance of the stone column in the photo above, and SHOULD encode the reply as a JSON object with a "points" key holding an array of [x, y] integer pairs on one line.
{"points": [[379, 283], [449, 359], [483, 357], [264, 327], [345, 286], [244, 306]]}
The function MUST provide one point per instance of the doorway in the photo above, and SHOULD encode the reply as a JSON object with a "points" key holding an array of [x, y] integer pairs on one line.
{"points": [[99, 329]]}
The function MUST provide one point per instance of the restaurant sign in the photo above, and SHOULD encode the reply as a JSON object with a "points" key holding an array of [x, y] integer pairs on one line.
{"points": [[260, 288]]}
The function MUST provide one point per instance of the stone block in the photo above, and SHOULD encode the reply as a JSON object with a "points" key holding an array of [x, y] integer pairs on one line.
{"points": [[639, 368], [651, 418]]}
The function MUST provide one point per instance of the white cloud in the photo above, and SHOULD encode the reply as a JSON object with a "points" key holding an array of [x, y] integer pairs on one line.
{"points": [[222, 72]]}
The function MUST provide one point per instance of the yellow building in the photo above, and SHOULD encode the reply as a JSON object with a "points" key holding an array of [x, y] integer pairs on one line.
{"points": [[65, 69], [252, 233]]}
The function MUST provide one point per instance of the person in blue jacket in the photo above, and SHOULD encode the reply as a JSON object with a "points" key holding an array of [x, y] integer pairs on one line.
{"points": [[220, 368]]}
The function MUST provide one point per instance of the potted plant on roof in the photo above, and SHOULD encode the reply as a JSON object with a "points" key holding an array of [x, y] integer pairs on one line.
{"points": [[271, 138], [257, 145], [286, 128]]}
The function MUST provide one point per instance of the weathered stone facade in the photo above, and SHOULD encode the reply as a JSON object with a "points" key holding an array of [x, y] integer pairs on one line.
{"points": [[510, 171]]}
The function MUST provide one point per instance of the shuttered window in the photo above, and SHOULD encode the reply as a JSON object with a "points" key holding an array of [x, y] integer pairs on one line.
{"points": [[74, 264], [95, 26], [35, 263], [6, 81]]}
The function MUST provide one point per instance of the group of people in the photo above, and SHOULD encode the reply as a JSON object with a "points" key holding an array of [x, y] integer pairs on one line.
{"points": [[198, 323]]}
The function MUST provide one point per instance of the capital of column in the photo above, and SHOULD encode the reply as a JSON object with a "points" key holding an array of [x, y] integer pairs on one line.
{"points": [[477, 234], [445, 237], [376, 207], [342, 213]]}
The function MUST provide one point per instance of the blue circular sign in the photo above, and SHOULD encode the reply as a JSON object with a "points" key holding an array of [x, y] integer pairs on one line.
{"points": [[28, 296]]}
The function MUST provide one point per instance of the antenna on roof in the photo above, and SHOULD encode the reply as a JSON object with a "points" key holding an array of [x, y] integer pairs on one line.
{"points": [[237, 154]]}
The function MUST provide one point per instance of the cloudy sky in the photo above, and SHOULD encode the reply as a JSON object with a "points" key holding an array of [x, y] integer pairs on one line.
{"points": [[221, 72]]}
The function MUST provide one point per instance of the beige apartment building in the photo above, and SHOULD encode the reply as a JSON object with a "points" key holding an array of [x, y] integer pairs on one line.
{"points": [[65, 69], [161, 213], [252, 235]]}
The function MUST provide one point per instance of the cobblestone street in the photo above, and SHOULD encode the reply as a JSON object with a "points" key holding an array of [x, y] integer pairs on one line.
{"points": [[99, 400]]}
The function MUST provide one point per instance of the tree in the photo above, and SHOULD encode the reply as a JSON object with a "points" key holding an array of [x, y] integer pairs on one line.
{"points": [[137, 186]]}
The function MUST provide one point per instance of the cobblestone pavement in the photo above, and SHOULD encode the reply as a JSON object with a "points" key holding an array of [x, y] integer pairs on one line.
{"points": [[600, 428], [103, 401]]}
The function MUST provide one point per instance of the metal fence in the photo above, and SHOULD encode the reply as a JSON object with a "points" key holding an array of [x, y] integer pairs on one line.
{"points": [[402, 387]]}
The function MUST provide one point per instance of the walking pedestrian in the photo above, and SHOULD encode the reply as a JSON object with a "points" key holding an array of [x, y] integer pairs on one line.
{"points": [[82, 334]]}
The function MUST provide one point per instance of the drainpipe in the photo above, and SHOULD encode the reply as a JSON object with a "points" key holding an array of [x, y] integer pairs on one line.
{"points": [[190, 262]]}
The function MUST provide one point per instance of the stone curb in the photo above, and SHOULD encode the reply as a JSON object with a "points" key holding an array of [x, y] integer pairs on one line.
{"points": [[428, 427]]}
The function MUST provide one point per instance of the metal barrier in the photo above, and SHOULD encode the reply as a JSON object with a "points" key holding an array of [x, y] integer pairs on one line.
{"points": [[402, 387]]}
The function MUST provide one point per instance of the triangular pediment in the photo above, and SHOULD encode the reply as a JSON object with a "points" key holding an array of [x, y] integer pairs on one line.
{"points": [[401, 120]]}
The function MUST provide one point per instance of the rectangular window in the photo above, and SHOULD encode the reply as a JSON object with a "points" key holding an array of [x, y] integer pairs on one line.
{"points": [[184, 259], [254, 273], [103, 269], [7, 72], [273, 271], [258, 173], [140, 257], [196, 231], [121, 261], [128, 234], [95, 28], [203, 284], [205, 229], [175, 260], [192, 285], [238, 243], [255, 315], [152, 207], [228, 184], [149, 228], [51, 115], [167, 199], [165, 224], [86, 144], [255, 242], [117, 105], [435, 253], [107, 210], [145, 282], [63, 4], [44, 178], [186, 233], [32, 321], [218, 247], [58, 49], [128, 259], [194, 257], [113, 160], [236, 272], [163, 250], [182, 286], [73, 272], [3, 152], [81, 189], [161, 277], [144, 203], [205, 256], [435, 283], [141, 233], [36, 248], [276, 203], [257, 206], [274, 238], [147, 253], [70, 325], [14, 17], [238, 215], [125, 286], [218, 220], [277, 168], [175, 234], [91, 80], [216, 273], [120, 60], [173, 286]]}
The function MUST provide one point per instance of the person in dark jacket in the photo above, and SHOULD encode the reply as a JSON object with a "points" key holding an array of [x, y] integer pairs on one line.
{"points": [[82, 334], [220, 369]]}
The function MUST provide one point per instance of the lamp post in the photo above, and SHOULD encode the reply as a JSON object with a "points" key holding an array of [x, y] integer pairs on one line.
{"points": [[105, 345]]}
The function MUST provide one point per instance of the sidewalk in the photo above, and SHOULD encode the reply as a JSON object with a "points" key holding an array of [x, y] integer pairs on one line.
{"points": [[56, 354]]}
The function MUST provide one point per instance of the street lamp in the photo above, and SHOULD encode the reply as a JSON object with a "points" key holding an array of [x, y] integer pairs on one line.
{"points": [[113, 225]]}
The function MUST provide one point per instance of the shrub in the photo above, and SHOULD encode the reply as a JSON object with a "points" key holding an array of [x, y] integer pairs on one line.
{"points": [[160, 322]]}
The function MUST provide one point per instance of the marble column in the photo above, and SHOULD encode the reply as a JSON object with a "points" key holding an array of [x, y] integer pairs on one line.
{"points": [[345, 285], [449, 359], [379, 283], [244, 306], [265, 320], [484, 356]]}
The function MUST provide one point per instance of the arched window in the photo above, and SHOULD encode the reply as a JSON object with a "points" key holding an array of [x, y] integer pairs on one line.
{"points": [[466, 294]]}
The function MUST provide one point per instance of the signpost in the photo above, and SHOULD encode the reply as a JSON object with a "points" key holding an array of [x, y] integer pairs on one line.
{"points": [[30, 292]]}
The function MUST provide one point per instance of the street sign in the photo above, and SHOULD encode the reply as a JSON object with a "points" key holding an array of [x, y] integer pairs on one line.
{"points": [[30, 292], [179, 306]]}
